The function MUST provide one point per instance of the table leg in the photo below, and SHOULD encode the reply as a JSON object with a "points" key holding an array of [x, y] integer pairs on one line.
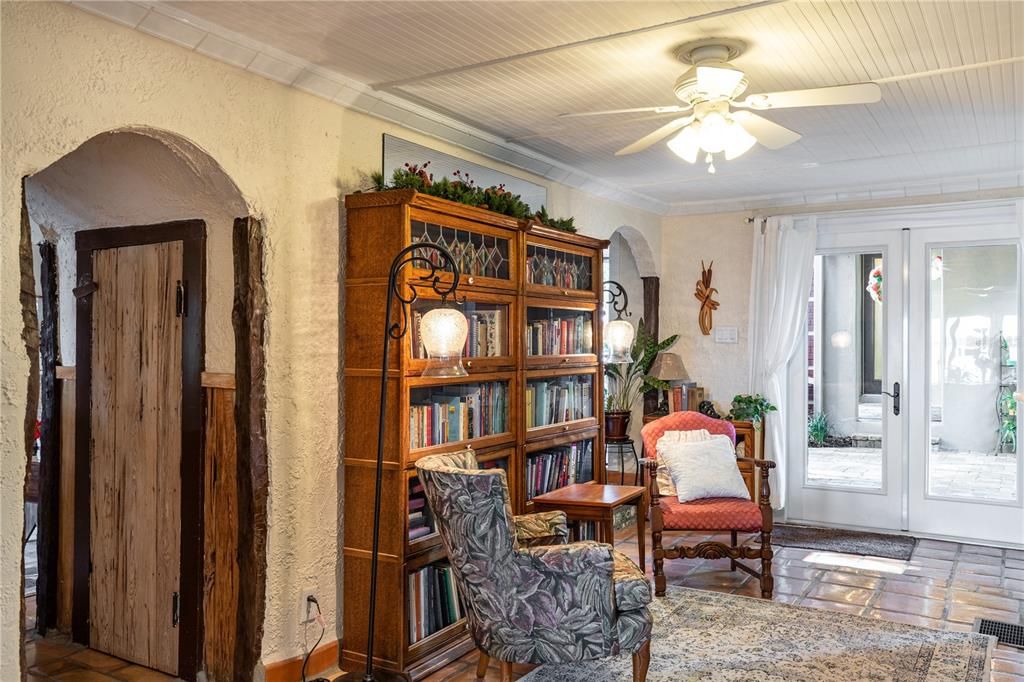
{"points": [[640, 513]]}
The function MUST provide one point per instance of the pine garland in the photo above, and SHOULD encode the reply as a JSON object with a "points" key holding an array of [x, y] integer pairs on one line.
{"points": [[464, 190]]}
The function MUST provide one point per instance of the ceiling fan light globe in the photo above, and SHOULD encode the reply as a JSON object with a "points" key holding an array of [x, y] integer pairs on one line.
{"points": [[686, 145], [719, 80], [739, 141], [713, 133]]}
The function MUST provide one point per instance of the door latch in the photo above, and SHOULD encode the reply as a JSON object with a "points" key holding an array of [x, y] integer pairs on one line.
{"points": [[175, 609], [895, 395], [180, 302]]}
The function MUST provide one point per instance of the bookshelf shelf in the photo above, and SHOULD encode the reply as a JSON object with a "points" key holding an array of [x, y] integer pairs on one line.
{"points": [[492, 249]]}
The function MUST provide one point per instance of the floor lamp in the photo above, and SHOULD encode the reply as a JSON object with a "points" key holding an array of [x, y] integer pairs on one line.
{"points": [[443, 333]]}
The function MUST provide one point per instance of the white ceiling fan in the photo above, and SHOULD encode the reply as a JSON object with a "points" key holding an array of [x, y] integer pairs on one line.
{"points": [[711, 88]]}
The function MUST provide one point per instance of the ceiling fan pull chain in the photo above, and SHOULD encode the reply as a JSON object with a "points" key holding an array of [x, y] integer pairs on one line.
{"points": [[710, 160]]}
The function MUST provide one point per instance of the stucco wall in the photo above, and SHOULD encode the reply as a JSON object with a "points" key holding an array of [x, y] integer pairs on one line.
{"points": [[68, 76], [725, 238]]}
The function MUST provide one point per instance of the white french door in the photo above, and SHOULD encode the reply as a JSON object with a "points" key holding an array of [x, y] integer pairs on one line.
{"points": [[848, 466], [965, 469], [943, 319]]}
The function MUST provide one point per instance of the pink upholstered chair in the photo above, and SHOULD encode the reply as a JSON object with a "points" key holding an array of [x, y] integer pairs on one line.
{"points": [[713, 515]]}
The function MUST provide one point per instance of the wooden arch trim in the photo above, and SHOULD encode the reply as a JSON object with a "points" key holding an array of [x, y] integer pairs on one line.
{"points": [[248, 317]]}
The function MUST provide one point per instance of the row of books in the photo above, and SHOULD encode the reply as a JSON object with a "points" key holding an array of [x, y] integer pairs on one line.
{"points": [[485, 338], [433, 601], [449, 414], [565, 336], [421, 522], [558, 467], [554, 401], [682, 397]]}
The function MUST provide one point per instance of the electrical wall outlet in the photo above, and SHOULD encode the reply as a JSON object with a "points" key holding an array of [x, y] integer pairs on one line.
{"points": [[307, 609]]}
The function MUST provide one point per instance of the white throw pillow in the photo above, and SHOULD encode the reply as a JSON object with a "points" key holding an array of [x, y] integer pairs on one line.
{"points": [[703, 469], [665, 486]]}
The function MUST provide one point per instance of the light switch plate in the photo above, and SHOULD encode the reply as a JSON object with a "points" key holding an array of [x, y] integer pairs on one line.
{"points": [[726, 335]]}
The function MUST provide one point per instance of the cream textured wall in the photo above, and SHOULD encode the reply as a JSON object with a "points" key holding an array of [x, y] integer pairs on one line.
{"points": [[726, 239], [68, 76]]}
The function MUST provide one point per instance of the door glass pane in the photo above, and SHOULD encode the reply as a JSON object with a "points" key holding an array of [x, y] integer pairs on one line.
{"points": [[845, 371], [972, 328]]}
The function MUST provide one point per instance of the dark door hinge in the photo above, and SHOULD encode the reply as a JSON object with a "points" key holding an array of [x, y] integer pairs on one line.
{"points": [[85, 289], [175, 609], [180, 301]]}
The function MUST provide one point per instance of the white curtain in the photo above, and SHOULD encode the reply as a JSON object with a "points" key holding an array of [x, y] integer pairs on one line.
{"points": [[779, 289]]}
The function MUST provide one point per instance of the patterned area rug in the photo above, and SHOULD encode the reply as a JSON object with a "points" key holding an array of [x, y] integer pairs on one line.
{"points": [[701, 635], [844, 541]]}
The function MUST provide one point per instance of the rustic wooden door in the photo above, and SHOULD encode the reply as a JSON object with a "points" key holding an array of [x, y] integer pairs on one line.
{"points": [[136, 457]]}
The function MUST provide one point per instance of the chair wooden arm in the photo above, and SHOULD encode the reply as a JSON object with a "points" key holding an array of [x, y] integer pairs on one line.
{"points": [[765, 501]]}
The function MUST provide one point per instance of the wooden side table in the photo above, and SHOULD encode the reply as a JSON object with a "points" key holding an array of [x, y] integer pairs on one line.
{"points": [[596, 502]]}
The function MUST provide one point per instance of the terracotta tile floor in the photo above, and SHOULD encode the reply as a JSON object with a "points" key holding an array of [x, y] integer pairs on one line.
{"points": [[945, 586], [941, 587]]}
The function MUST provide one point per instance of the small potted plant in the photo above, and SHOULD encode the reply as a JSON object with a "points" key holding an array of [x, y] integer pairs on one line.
{"points": [[750, 408], [628, 381]]}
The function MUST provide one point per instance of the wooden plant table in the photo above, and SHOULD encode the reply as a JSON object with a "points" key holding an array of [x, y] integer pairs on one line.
{"points": [[596, 502]]}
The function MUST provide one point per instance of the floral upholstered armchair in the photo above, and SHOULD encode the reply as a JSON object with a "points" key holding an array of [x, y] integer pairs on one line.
{"points": [[711, 515], [527, 602]]}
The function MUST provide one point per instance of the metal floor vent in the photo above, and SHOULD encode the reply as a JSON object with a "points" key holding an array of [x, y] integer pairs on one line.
{"points": [[1006, 633]]}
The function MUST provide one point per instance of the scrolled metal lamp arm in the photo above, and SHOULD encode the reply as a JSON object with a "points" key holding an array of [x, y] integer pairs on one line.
{"points": [[616, 296]]}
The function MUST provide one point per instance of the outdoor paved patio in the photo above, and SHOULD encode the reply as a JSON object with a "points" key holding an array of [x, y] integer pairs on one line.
{"points": [[953, 474]]}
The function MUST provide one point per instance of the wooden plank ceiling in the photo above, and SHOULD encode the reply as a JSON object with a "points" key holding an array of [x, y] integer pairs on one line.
{"points": [[511, 67]]}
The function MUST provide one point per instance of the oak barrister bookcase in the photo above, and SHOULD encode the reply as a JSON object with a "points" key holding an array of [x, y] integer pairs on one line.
{"points": [[532, 403]]}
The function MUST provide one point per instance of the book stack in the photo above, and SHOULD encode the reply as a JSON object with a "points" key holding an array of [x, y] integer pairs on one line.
{"points": [[557, 400], [558, 467], [421, 522], [566, 336], [454, 413], [501, 463], [484, 340], [433, 601]]}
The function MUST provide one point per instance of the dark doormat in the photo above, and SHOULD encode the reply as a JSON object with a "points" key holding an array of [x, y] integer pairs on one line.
{"points": [[845, 541]]}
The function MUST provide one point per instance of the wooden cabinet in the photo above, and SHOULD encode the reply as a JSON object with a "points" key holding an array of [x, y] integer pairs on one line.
{"points": [[532, 298]]}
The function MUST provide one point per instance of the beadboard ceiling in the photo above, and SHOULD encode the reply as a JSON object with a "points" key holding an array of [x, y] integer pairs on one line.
{"points": [[509, 69]]}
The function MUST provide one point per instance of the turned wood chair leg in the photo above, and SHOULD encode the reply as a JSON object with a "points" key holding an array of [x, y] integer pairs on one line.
{"points": [[506, 671], [641, 661], [732, 562], [767, 582], [481, 666]]}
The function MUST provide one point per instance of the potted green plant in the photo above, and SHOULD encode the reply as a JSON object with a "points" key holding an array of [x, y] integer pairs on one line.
{"points": [[627, 382], [750, 408]]}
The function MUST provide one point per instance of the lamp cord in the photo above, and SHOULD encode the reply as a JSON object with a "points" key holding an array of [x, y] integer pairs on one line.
{"points": [[323, 629]]}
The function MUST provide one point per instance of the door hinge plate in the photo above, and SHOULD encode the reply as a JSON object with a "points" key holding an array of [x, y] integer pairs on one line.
{"points": [[175, 609]]}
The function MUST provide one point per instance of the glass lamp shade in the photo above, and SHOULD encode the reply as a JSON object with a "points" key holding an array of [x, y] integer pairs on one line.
{"points": [[618, 335], [443, 334], [686, 144], [738, 141], [718, 81]]}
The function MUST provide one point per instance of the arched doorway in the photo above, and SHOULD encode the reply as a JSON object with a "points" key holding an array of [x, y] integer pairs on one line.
{"points": [[631, 263], [157, 182]]}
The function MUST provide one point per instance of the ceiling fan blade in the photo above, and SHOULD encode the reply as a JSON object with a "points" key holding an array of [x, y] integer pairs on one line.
{"points": [[857, 93], [768, 133], [674, 109], [649, 139]]}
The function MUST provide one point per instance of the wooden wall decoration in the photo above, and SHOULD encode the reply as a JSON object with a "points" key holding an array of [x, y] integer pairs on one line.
{"points": [[704, 294]]}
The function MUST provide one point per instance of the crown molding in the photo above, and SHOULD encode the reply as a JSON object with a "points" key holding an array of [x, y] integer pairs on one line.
{"points": [[220, 43], [992, 184]]}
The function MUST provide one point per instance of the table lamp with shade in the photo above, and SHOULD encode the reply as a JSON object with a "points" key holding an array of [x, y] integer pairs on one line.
{"points": [[443, 334], [668, 367]]}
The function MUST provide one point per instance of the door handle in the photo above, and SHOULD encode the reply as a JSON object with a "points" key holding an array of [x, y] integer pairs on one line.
{"points": [[895, 395]]}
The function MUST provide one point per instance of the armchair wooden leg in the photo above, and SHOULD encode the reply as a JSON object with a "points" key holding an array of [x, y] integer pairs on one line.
{"points": [[506, 671], [732, 562], [481, 666], [641, 661], [767, 582]]}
